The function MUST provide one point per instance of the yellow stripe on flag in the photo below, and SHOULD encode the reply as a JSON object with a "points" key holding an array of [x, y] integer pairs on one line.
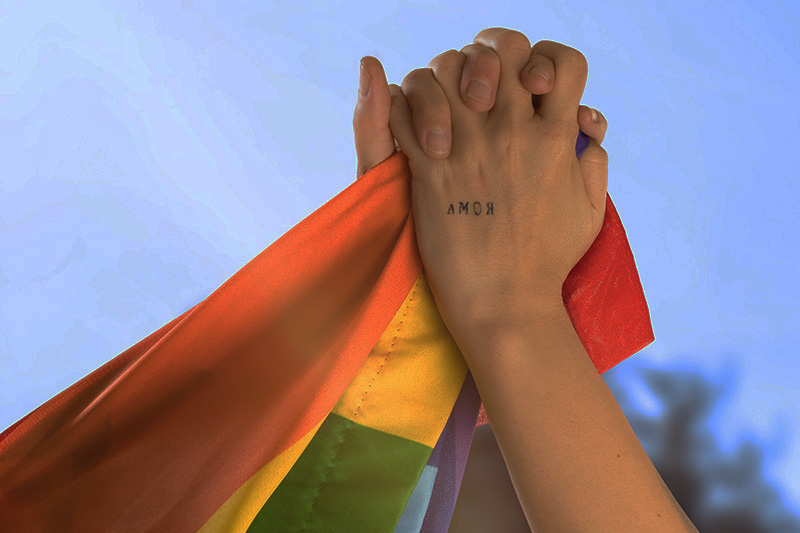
{"points": [[236, 515], [412, 377]]}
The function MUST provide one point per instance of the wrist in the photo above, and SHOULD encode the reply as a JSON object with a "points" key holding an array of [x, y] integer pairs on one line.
{"points": [[485, 332], [516, 312]]}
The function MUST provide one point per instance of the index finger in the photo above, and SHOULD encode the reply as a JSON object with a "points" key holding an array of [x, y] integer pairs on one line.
{"points": [[571, 71]]}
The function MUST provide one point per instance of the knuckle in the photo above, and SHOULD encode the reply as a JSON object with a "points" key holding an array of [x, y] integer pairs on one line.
{"points": [[415, 78], [447, 61], [561, 53], [576, 59], [479, 55], [423, 99], [512, 40], [481, 62]]}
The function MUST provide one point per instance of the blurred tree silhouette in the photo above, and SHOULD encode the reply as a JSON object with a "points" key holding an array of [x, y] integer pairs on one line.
{"points": [[720, 492]]}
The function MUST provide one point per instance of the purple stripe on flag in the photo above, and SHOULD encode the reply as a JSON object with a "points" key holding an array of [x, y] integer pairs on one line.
{"points": [[450, 457]]}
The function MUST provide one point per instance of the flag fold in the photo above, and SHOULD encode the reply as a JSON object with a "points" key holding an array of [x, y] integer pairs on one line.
{"points": [[317, 389]]}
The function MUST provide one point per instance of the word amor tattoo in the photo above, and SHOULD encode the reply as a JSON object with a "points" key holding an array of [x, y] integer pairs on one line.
{"points": [[463, 207]]}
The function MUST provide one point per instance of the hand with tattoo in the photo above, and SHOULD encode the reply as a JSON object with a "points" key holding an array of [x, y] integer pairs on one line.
{"points": [[503, 219], [489, 212]]}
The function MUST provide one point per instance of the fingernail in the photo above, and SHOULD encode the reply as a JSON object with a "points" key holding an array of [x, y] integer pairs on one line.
{"points": [[479, 90], [363, 82], [540, 71], [436, 140], [595, 116]]}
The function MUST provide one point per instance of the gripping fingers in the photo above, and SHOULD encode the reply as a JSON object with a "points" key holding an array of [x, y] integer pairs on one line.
{"points": [[538, 75], [430, 111], [401, 123], [595, 130], [480, 77]]}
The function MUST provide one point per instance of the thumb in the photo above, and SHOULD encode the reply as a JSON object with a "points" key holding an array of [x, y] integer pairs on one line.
{"points": [[373, 138], [594, 168]]}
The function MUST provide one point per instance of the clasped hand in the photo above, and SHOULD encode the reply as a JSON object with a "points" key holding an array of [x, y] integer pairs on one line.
{"points": [[505, 212]]}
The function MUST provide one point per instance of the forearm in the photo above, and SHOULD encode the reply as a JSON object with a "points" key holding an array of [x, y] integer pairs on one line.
{"points": [[574, 460]]}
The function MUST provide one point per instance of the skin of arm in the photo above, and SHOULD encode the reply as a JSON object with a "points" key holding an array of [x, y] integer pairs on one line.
{"points": [[573, 458]]}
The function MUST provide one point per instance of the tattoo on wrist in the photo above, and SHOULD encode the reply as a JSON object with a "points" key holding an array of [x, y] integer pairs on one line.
{"points": [[477, 209]]}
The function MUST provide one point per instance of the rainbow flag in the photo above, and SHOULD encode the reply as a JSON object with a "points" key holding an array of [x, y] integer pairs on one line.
{"points": [[316, 390]]}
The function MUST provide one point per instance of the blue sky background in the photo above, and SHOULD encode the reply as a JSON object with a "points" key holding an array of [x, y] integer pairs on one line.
{"points": [[151, 149]]}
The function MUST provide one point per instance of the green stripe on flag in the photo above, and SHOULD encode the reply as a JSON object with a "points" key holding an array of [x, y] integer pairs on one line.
{"points": [[349, 478]]}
